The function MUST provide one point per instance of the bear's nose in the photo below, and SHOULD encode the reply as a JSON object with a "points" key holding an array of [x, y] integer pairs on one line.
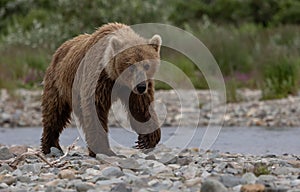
{"points": [[141, 87]]}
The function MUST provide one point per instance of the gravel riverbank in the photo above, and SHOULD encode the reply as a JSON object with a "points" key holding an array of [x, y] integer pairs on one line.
{"points": [[23, 110], [163, 169]]}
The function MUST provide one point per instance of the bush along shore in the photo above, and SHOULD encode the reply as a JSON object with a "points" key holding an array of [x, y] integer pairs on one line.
{"points": [[162, 169], [22, 109]]}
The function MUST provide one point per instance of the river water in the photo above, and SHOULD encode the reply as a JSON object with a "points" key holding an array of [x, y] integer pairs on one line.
{"points": [[253, 140]]}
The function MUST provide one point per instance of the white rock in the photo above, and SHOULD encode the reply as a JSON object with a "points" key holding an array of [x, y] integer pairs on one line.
{"points": [[92, 171], [153, 182], [249, 178], [112, 172], [174, 166], [192, 182]]}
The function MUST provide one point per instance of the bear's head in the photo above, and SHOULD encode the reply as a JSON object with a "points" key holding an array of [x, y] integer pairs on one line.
{"points": [[133, 62]]}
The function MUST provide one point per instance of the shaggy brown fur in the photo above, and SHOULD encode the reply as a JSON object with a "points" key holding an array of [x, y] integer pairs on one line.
{"points": [[58, 83]]}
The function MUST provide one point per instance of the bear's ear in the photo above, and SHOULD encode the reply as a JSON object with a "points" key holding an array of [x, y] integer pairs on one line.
{"points": [[155, 42], [114, 45]]}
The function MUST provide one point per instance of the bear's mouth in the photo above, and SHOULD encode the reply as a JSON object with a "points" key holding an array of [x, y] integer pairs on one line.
{"points": [[141, 88]]}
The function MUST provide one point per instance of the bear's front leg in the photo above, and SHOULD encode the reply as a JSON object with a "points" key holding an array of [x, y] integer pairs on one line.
{"points": [[95, 128], [143, 120]]}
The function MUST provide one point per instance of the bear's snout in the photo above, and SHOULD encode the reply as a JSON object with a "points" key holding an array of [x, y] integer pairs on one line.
{"points": [[141, 87]]}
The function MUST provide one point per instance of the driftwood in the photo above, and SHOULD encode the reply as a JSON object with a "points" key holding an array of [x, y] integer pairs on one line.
{"points": [[22, 157], [37, 153]]}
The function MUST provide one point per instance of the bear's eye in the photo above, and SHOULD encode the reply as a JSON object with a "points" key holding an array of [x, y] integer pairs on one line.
{"points": [[146, 66]]}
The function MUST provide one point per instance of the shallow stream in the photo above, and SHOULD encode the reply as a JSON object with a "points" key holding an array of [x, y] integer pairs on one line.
{"points": [[253, 140]]}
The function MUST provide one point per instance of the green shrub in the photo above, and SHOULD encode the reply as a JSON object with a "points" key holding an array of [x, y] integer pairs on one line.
{"points": [[237, 12], [247, 49], [261, 169], [48, 23], [186, 69], [289, 12], [22, 66], [280, 78], [231, 91]]}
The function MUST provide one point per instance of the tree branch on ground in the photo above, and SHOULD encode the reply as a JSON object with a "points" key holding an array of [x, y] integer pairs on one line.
{"points": [[13, 163]]}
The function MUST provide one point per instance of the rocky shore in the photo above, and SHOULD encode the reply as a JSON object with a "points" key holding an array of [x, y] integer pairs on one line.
{"points": [[162, 169], [24, 168], [22, 109]]}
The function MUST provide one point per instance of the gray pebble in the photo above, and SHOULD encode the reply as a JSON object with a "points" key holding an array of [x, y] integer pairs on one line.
{"points": [[220, 166], [248, 178], [82, 187], [31, 168], [112, 172], [5, 167], [98, 178], [213, 186], [72, 183], [54, 152], [109, 182], [184, 160], [266, 178], [5, 154], [120, 187], [54, 189], [232, 171], [285, 170], [17, 172], [230, 181], [24, 179], [295, 182], [168, 159], [150, 157], [129, 163]]}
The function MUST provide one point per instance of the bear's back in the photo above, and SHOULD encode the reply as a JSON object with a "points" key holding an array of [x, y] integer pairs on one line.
{"points": [[69, 55]]}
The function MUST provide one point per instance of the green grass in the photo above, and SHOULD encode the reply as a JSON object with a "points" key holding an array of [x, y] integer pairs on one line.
{"points": [[231, 91], [261, 169], [184, 70], [269, 57], [248, 55], [281, 78], [21, 66]]}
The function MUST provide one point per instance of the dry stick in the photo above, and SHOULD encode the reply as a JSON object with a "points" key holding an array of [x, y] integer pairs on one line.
{"points": [[69, 148], [38, 154]]}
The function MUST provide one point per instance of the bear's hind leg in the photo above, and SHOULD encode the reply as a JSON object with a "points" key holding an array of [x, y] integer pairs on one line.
{"points": [[56, 114]]}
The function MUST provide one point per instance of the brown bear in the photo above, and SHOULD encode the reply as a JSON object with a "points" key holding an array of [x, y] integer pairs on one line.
{"points": [[90, 72]]}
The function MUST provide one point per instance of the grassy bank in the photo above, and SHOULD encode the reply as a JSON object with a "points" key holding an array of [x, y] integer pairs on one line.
{"points": [[257, 48], [255, 57]]}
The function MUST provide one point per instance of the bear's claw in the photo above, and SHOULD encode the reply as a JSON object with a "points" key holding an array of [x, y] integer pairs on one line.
{"points": [[142, 143], [148, 141]]}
